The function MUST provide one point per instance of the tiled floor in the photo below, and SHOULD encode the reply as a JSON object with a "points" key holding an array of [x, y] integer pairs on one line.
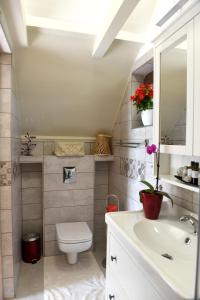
{"points": [[53, 279], [100, 255]]}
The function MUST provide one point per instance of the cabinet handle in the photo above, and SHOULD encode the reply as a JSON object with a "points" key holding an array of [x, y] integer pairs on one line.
{"points": [[113, 258], [111, 297]]}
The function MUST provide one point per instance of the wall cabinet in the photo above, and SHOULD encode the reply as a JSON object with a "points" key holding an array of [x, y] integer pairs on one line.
{"points": [[177, 90]]}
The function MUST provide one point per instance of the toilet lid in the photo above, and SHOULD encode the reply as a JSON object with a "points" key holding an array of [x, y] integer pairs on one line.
{"points": [[75, 232]]}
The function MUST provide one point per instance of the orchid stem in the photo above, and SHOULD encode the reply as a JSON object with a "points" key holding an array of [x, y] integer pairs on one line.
{"points": [[158, 167]]}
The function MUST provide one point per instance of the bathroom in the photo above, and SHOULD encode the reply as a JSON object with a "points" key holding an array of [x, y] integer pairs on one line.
{"points": [[99, 116]]}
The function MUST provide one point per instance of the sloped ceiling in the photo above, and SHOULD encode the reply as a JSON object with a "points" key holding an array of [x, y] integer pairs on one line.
{"points": [[63, 90]]}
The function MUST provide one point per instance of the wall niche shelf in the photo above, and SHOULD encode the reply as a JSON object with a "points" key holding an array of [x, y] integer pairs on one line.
{"points": [[31, 159], [39, 159], [99, 158], [172, 180]]}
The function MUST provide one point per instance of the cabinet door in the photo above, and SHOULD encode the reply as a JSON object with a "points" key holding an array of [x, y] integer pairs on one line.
{"points": [[173, 84], [197, 86], [113, 288], [130, 276]]}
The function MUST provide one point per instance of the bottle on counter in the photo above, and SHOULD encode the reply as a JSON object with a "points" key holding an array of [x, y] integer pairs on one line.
{"points": [[195, 172]]}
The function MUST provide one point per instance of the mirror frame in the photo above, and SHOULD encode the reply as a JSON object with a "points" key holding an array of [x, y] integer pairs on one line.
{"points": [[186, 149]]}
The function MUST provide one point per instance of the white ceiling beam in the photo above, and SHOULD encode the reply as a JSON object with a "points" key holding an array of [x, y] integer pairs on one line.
{"points": [[13, 11], [118, 16]]}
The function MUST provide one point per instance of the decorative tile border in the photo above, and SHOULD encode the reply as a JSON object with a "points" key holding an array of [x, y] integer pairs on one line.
{"points": [[132, 168], [5, 173]]}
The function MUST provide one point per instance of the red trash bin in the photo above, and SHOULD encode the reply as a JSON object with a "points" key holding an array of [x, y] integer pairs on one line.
{"points": [[31, 249]]}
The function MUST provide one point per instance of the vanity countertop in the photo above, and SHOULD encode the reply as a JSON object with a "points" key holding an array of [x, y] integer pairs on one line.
{"points": [[179, 273]]}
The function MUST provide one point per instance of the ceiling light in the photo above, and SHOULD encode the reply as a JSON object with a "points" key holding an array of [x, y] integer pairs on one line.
{"points": [[171, 12]]}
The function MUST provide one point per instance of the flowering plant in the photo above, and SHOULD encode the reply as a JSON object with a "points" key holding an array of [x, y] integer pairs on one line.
{"points": [[153, 149], [143, 97]]}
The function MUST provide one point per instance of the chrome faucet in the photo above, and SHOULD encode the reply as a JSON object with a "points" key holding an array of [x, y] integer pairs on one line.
{"points": [[193, 221]]}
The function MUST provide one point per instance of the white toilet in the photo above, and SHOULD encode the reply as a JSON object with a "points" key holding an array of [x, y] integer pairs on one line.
{"points": [[73, 238]]}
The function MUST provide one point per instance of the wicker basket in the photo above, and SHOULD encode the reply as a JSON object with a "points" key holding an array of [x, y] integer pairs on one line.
{"points": [[101, 146]]}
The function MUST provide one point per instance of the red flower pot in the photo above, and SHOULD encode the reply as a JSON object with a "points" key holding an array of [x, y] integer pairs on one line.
{"points": [[151, 204]]}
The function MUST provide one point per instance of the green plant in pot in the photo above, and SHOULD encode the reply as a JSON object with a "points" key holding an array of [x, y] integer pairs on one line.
{"points": [[151, 198]]}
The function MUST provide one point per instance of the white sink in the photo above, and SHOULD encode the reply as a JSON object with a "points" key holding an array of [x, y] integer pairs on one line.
{"points": [[167, 239], [150, 239]]}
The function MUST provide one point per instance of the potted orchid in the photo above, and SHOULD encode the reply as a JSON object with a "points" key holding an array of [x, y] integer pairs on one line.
{"points": [[151, 198], [143, 100]]}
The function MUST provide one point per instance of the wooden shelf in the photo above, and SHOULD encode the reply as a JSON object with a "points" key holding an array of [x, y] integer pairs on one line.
{"points": [[172, 180]]}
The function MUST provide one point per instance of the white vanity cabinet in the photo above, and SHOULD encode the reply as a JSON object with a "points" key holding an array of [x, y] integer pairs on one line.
{"points": [[125, 280], [177, 87]]}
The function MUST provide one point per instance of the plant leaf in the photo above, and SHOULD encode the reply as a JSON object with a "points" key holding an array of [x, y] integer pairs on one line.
{"points": [[149, 185], [167, 196]]}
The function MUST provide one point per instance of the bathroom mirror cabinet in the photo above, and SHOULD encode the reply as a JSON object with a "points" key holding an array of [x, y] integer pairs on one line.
{"points": [[176, 85]]}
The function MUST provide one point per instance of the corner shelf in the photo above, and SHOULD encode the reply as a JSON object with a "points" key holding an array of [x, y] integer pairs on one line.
{"points": [[172, 180]]}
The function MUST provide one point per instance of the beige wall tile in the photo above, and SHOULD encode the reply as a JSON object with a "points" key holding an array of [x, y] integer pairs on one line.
{"points": [[5, 78], [101, 192], [5, 197], [5, 149], [7, 246], [101, 178], [53, 164], [32, 195], [68, 214], [32, 211], [33, 226], [50, 233], [54, 182], [68, 198], [5, 100], [101, 166], [6, 221], [100, 207], [51, 248], [8, 286], [31, 179], [7, 266], [5, 125], [31, 167]]}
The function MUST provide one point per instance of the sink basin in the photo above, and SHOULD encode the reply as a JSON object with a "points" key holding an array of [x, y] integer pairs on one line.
{"points": [[166, 239]]}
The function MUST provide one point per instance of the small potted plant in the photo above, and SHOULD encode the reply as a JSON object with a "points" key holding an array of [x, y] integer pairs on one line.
{"points": [[151, 198], [143, 100]]}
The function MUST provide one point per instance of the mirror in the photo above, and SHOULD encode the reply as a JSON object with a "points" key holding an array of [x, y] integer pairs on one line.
{"points": [[173, 93]]}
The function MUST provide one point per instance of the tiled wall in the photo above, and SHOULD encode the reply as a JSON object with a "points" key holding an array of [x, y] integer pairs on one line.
{"points": [[47, 147], [66, 202], [101, 192], [10, 178], [130, 164], [32, 198]]}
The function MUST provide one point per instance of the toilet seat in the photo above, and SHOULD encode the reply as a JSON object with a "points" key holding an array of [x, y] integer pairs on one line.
{"points": [[73, 233]]}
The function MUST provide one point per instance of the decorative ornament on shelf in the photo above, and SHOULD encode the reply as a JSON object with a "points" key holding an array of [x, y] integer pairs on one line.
{"points": [[101, 146], [27, 146], [151, 198], [143, 100]]}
